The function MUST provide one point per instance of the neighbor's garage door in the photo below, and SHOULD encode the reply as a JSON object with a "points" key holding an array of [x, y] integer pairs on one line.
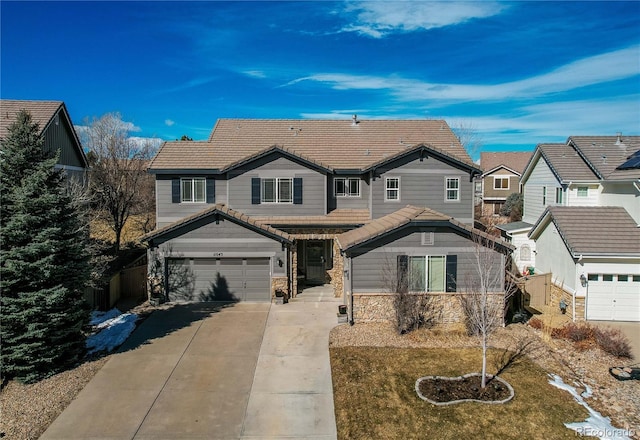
{"points": [[227, 279], [613, 297]]}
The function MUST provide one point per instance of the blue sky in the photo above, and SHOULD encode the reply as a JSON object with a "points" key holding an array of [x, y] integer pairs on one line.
{"points": [[515, 73]]}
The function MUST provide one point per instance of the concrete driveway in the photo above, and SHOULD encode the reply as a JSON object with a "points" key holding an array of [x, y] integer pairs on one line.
{"points": [[190, 373], [630, 329]]}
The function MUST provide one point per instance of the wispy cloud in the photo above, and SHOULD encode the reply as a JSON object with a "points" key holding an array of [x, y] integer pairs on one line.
{"points": [[377, 19], [616, 65], [169, 122], [255, 73]]}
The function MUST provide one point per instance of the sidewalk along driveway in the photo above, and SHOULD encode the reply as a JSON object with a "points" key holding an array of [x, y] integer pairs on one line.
{"points": [[185, 373], [630, 329]]}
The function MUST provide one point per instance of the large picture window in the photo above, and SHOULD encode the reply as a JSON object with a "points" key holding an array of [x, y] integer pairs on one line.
{"points": [[347, 187], [277, 190], [427, 274], [452, 189], [193, 190], [392, 189]]}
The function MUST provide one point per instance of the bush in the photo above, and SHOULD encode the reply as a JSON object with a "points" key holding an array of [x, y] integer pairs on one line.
{"points": [[574, 332], [612, 341], [536, 323]]}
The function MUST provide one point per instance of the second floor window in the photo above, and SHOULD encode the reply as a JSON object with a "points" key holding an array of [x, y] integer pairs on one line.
{"points": [[277, 190], [544, 195], [193, 190], [452, 189], [392, 188], [559, 196], [583, 191], [500, 183], [347, 187]]}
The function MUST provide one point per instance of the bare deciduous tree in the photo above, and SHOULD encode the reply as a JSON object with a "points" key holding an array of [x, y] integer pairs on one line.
{"points": [[118, 177], [485, 291], [469, 137], [168, 274]]}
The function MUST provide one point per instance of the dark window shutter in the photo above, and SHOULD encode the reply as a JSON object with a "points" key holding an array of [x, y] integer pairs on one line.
{"points": [[175, 190], [255, 190], [452, 273], [297, 191], [402, 274], [211, 190]]}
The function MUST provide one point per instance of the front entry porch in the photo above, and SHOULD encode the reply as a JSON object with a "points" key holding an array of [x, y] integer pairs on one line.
{"points": [[316, 262]]}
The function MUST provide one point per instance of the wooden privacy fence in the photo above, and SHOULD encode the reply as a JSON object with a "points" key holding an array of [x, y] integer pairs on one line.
{"points": [[536, 291], [129, 283]]}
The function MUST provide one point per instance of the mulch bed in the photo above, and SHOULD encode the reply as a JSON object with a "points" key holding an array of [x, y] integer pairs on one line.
{"points": [[442, 390]]}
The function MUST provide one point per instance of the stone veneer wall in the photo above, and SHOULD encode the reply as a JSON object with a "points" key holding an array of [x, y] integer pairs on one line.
{"points": [[558, 293], [281, 283]]}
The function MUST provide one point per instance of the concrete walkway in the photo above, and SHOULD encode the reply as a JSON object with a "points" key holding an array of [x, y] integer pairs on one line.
{"points": [[203, 371]]}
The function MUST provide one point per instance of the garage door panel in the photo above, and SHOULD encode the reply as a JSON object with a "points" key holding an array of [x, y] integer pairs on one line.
{"points": [[613, 300], [257, 282]]}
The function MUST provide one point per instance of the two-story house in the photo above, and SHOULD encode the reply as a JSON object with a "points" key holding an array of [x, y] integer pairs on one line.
{"points": [[501, 178], [56, 128], [585, 172], [282, 204]]}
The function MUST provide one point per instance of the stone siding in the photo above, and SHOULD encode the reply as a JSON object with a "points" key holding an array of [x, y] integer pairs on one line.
{"points": [[558, 293], [281, 283]]}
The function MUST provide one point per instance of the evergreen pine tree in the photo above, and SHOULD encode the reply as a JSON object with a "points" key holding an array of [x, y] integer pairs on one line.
{"points": [[43, 258]]}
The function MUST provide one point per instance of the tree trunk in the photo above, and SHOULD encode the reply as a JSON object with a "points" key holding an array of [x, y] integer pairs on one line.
{"points": [[484, 360]]}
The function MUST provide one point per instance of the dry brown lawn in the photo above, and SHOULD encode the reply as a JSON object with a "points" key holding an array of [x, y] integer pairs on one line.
{"points": [[375, 397]]}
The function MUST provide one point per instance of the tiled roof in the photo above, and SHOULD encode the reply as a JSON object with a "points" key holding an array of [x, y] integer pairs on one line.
{"points": [[593, 230], [606, 153], [336, 217], [41, 112], [336, 144], [514, 226], [225, 211], [566, 163], [516, 161], [378, 227]]}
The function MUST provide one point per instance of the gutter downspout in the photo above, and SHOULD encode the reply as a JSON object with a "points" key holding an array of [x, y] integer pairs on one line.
{"points": [[573, 304]]}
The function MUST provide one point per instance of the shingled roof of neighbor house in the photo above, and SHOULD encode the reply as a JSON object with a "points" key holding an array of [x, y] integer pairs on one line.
{"points": [[566, 163], [229, 213], [331, 144], [607, 153], [41, 113], [379, 227], [592, 230], [514, 160]]}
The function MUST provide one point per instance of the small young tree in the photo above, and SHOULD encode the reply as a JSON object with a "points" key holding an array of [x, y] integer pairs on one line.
{"points": [[484, 294], [513, 207], [43, 258]]}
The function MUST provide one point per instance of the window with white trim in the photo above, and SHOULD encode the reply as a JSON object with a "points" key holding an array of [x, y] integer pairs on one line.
{"points": [[500, 182], [347, 187], [452, 189], [392, 189], [193, 190], [427, 273], [525, 253], [544, 195], [276, 190], [583, 191], [559, 196]]}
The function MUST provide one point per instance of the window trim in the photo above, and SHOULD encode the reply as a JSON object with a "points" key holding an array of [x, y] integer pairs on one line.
{"points": [[193, 181], [347, 185], [500, 179], [559, 196], [426, 272], [544, 196], [387, 189], [585, 189], [447, 189], [277, 196]]}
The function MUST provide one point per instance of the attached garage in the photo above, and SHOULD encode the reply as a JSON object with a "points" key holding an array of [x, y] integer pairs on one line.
{"points": [[613, 297], [221, 255]]}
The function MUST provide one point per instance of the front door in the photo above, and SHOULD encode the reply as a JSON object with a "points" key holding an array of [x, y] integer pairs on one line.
{"points": [[316, 261]]}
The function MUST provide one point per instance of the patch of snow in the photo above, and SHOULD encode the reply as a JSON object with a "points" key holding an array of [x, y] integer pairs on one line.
{"points": [[587, 391], [98, 317], [113, 327], [596, 424]]}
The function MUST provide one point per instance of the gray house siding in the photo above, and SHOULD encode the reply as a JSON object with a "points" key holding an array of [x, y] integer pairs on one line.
{"points": [[541, 177], [58, 136], [422, 183], [373, 270], [168, 212], [313, 188], [348, 202]]}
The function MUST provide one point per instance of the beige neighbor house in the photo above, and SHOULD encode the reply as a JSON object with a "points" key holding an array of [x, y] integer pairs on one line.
{"points": [[501, 178], [601, 173], [267, 205], [56, 128]]}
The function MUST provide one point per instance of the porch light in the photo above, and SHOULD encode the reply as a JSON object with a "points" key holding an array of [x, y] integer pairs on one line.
{"points": [[583, 280]]}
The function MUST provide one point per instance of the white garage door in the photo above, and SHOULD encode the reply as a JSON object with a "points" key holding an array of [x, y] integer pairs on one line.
{"points": [[612, 297], [223, 279]]}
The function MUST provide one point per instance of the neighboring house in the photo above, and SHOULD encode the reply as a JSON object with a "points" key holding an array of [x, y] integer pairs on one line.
{"points": [[501, 178], [593, 253], [262, 204], [56, 129], [584, 171]]}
